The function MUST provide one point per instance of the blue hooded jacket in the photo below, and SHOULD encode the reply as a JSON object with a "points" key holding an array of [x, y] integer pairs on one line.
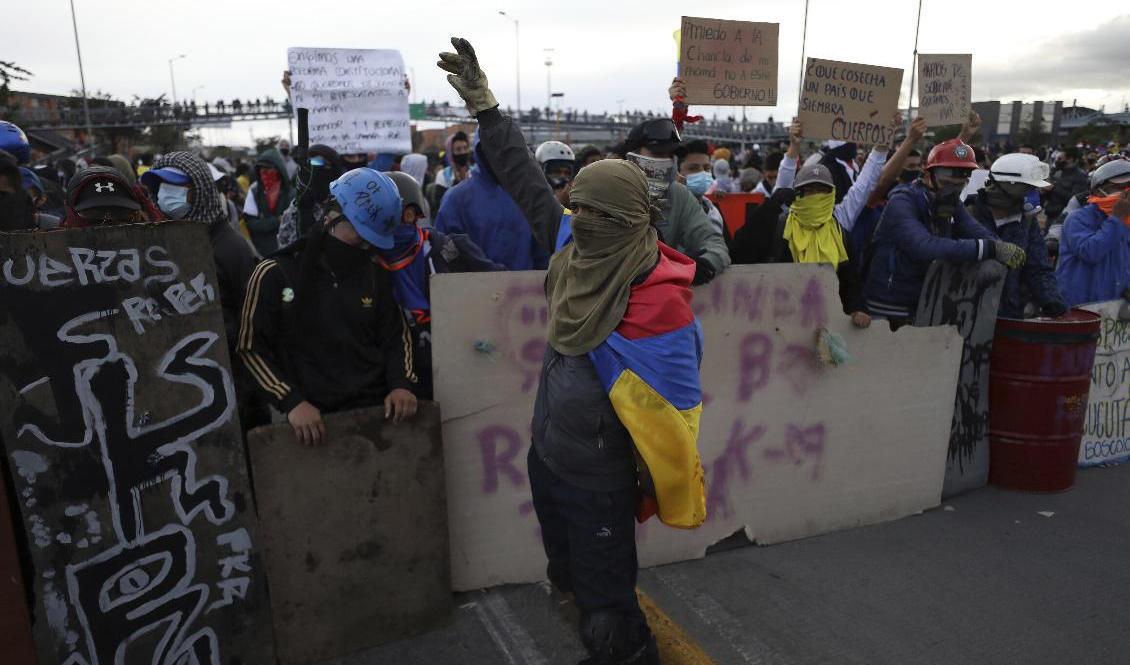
{"points": [[906, 241], [480, 208], [1094, 257], [1035, 281]]}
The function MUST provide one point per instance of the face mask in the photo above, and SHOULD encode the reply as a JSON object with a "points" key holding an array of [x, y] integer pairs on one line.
{"points": [[173, 200], [405, 245], [1106, 204], [946, 201], [16, 211], [660, 173], [699, 182], [343, 258], [461, 159], [908, 175], [1002, 197]]}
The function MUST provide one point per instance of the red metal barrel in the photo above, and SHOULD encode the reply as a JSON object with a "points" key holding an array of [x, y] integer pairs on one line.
{"points": [[1038, 384]]}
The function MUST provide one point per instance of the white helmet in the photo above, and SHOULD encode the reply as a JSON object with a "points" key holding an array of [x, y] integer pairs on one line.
{"points": [[1020, 168], [554, 151], [1116, 169]]}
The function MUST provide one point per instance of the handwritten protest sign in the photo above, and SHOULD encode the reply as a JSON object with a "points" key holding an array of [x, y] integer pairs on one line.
{"points": [[356, 98], [731, 63], [849, 102], [944, 88], [1106, 436]]}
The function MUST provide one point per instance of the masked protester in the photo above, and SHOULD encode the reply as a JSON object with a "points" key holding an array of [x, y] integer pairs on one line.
{"points": [[325, 167], [1067, 181], [101, 195], [1094, 251], [418, 252], [602, 286], [457, 167], [695, 170], [1002, 206], [267, 199], [17, 209], [923, 222], [481, 209], [903, 168], [184, 186], [557, 162], [320, 329]]}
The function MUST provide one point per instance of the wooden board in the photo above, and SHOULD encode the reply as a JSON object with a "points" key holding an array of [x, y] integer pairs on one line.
{"points": [[355, 532], [966, 295], [120, 427]]}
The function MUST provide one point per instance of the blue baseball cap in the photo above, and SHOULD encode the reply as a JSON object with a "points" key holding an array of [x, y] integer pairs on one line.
{"points": [[169, 174]]}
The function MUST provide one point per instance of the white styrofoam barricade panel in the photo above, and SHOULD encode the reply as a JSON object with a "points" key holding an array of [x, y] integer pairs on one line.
{"points": [[791, 448]]}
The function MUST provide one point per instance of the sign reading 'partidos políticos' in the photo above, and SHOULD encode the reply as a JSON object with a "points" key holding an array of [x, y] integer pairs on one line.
{"points": [[730, 63]]}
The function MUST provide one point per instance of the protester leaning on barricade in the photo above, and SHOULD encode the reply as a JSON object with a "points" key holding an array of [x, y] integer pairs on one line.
{"points": [[320, 329], [816, 227], [480, 208], [1002, 206], [925, 221], [418, 252], [1094, 251], [268, 198], [583, 470]]}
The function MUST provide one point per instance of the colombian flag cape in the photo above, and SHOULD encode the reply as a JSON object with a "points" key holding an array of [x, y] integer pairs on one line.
{"points": [[649, 366]]}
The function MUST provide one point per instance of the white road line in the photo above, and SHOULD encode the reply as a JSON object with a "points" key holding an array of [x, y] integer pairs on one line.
{"points": [[738, 637], [505, 631]]}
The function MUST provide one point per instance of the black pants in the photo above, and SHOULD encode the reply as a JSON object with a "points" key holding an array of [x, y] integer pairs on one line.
{"points": [[590, 541]]}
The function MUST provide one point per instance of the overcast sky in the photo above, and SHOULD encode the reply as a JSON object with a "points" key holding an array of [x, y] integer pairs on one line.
{"points": [[603, 51]]}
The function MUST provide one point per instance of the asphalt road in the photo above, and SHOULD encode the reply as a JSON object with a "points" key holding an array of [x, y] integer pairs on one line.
{"points": [[991, 577]]}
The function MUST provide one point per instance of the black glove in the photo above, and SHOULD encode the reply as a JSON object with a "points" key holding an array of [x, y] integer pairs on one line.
{"points": [[1054, 309], [704, 272]]}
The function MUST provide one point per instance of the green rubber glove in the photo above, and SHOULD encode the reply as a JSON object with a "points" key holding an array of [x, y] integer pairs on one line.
{"points": [[465, 75], [1009, 254]]}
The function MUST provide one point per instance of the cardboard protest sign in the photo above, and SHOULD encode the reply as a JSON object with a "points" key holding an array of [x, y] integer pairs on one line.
{"points": [[849, 102], [119, 422], [790, 448], [1106, 436], [729, 63], [944, 88], [356, 97]]}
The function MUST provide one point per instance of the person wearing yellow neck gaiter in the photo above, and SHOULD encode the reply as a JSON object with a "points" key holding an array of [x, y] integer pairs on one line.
{"points": [[812, 232]]}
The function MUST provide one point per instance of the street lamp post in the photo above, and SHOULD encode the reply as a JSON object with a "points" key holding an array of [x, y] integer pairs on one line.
{"points": [[548, 80], [517, 65], [82, 80], [172, 78]]}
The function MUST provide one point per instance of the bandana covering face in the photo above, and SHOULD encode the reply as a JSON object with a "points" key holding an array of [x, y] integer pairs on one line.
{"points": [[813, 233], [272, 187], [1106, 204], [590, 280]]}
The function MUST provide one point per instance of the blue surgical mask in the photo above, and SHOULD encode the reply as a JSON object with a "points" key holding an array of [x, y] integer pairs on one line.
{"points": [[173, 200], [699, 182]]}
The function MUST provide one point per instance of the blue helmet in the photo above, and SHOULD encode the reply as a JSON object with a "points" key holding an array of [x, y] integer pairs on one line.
{"points": [[14, 141], [371, 202]]}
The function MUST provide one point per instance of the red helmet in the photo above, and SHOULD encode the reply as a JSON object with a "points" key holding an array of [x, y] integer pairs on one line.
{"points": [[953, 154]]}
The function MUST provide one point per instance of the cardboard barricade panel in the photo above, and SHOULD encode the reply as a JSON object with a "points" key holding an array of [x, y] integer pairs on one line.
{"points": [[355, 532], [121, 430], [791, 448], [967, 296], [1106, 436]]}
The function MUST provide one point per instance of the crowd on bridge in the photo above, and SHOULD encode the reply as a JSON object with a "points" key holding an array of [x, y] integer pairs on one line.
{"points": [[324, 264]]}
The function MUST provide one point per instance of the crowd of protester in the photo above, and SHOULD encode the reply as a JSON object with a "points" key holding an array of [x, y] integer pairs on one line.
{"points": [[324, 265]]}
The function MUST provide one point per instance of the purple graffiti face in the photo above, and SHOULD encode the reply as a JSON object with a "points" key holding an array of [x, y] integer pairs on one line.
{"points": [[522, 320]]}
